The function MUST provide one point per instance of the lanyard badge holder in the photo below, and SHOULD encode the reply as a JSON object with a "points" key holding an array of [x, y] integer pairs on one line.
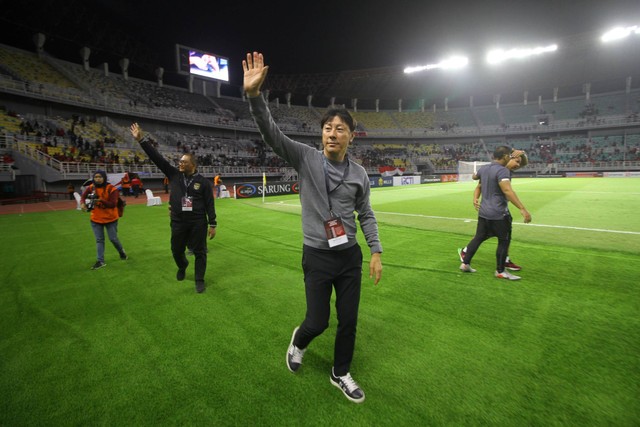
{"points": [[187, 201], [336, 234], [333, 227]]}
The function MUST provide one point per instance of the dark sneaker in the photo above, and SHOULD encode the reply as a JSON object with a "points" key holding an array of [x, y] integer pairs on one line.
{"points": [[294, 354], [200, 288], [512, 266], [124, 256], [98, 264], [181, 273], [349, 387]]}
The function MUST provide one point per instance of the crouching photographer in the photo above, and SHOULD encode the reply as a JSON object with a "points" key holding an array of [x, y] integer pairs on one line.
{"points": [[101, 200]]}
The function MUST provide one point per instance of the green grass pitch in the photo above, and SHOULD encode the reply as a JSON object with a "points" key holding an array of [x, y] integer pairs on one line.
{"points": [[129, 345]]}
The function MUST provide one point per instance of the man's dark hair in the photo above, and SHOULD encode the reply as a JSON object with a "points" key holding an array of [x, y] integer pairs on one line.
{"points": [[501, 151], [192, 158], [342, 113]]}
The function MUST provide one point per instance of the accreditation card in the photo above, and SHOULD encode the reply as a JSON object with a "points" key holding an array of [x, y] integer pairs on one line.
{"points": [[187, 204], [336, 234]]}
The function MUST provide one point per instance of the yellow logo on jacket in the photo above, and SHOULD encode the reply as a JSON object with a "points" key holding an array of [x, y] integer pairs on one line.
{"points": [[196, 186]]}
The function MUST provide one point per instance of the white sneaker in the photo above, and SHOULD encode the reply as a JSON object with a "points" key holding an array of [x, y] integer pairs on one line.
{"points": [[294, 354], [506, 275], [467, 268], [461, 254]]}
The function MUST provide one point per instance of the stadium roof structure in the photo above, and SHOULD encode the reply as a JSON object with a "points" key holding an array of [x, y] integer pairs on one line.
{"points": [[581, 59]]}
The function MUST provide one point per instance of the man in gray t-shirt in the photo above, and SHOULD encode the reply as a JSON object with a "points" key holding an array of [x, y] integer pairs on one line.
{"points": [[494, 218], [332, 188], [518, 159]]}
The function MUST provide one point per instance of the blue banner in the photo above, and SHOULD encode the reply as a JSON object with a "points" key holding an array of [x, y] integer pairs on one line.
{"points": [[255, 189], [380, 181]]}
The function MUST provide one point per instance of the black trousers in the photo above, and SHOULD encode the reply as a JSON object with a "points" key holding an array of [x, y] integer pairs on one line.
{"points": [[194, 235], [324, 270], [487, 228]]}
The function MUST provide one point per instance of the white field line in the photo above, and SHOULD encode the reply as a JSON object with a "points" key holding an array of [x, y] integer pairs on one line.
{"points": [[601, 230], [566, 227], [580, 192]]}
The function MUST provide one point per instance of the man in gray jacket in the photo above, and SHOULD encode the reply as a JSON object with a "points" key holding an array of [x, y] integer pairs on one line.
{"points": [[332, 188]]}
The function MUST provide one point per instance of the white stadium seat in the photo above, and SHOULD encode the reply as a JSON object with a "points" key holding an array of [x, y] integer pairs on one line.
{"points": [[151, 199]]}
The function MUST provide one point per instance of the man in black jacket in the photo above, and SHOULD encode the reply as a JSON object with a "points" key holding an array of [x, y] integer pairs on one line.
{"points": [[192, 208]]}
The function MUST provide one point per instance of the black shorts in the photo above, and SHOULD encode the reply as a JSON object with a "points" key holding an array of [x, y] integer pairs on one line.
{"points": [[500, 228]]}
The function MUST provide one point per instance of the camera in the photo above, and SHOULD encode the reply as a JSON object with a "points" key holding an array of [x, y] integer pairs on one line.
{"points": [[90, 201]]}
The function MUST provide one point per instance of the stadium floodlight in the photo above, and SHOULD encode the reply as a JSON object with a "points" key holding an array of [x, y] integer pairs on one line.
{"points": [[497, 56], [451, 63], [619, 33]]}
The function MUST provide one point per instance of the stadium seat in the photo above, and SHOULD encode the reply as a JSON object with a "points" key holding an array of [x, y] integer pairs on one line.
{"points": [[76, 195], [151, 199], [224, 193]]}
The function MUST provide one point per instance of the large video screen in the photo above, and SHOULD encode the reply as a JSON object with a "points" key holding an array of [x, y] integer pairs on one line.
{"points": [[197, 62]]}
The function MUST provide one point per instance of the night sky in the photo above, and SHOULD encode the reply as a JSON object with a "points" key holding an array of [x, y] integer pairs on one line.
{"points": [[302, 36]]}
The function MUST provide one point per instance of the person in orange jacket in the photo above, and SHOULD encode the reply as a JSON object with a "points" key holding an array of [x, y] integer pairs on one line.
{"points": [[136, 185], [126, 184], [217, 182], [165, 184], [101, 199]]}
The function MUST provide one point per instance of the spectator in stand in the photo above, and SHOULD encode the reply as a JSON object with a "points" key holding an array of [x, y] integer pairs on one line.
{"points": [[7, 159], [101, 199]]}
